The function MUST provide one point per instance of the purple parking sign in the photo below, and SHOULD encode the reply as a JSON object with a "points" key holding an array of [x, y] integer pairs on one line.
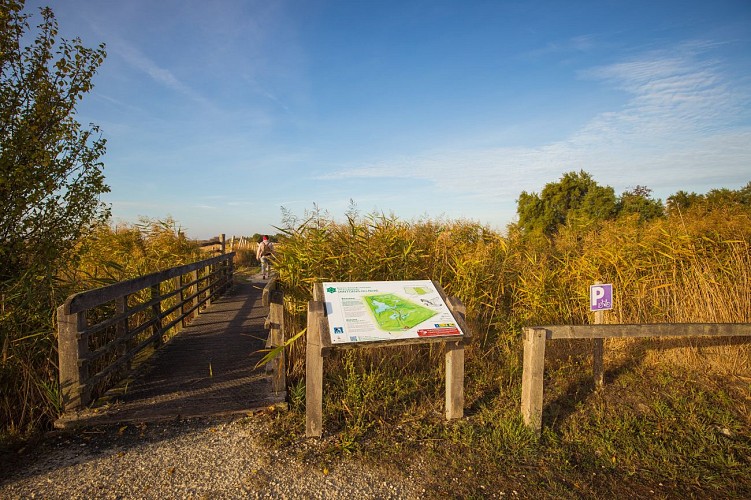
{"points": [[600, 297]]}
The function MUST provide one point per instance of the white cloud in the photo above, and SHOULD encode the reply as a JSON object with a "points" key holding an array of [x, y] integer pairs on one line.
{"points": [[677, 130]]}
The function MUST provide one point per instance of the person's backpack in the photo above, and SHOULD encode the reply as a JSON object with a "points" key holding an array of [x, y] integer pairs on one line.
{"points": [[267, 249]]}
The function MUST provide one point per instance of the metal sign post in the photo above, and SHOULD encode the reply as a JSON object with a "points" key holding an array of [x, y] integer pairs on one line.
{"points": [[600, 299]]}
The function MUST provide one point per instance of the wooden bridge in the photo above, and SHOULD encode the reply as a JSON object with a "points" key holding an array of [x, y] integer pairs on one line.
{"points": [[180, 343]]}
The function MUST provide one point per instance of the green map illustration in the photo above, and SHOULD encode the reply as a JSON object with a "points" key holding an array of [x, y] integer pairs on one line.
{"points": [[394, 313]]}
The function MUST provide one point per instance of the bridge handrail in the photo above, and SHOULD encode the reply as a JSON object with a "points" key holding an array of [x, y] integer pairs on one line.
{"points": [[91, 298], [206, 280]]}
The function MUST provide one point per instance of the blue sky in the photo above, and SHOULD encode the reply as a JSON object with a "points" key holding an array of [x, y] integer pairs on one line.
{"points": [[218, 113]]}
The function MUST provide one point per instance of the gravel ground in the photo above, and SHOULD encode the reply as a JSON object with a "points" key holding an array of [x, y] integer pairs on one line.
{"points": [[201, 458]]}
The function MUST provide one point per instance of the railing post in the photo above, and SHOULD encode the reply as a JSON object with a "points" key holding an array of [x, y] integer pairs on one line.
{"points": [[194, 290], [183, 305], [72, 349], [276, 318], [231, 272], [121, 329], [157, 311], [532, 377], [208, 284], [222, 244]]}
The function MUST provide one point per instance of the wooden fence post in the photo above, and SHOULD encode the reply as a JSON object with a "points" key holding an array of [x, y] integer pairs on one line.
{"points": [[314, 372], [72, 347], [532, 377]]}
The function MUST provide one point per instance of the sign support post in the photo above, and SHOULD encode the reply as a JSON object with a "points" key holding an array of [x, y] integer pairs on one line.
{"points": [[600, 300], [314, 372], [455, 368], [598, 366]]}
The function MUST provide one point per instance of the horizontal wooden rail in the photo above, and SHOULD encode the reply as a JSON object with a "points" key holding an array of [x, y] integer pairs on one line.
{"points": [[145, 310], [646, 330], [534, 351], [92, 298]]}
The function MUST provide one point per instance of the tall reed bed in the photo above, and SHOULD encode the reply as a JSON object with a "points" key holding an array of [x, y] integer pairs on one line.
{"points": [[379, 247], [690, 268], [683, 269], [680, 269]]}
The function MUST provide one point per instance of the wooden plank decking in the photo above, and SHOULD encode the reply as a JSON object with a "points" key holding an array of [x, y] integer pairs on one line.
{"points": [[208, 369]]}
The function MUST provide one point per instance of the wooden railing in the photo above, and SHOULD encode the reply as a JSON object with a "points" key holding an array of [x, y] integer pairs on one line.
{"points": [[534, 351], [101, 332], [214, 246]]}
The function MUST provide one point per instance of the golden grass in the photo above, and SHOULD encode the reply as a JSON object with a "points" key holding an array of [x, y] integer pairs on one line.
{"points": [[694, 268], [674, 413]]}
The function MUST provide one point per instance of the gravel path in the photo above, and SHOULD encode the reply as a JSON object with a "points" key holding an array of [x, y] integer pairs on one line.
{"points": [[201, 458]]}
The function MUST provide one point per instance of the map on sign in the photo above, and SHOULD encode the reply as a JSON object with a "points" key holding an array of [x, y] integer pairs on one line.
{"points": [[386, 310], [395, 314]]}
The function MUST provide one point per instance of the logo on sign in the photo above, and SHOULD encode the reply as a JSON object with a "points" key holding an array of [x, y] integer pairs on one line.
{"points": [[600, 297]]}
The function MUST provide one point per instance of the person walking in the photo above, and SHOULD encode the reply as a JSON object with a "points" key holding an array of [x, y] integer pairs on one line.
{"points": [[263, 254]]}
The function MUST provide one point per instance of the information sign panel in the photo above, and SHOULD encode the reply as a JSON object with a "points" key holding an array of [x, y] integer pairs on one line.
{"points": [[366, 311], [600, 297]]}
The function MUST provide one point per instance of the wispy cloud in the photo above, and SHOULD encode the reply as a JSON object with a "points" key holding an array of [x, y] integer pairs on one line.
{"points": [[163, 76], [675, 129], [580, 43]]}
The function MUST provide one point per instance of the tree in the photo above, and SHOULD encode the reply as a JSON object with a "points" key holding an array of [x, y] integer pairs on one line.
{"points": [[639, 201], [50, 173], [682, 200], [50, 183], [714, 199], [575, 199]]}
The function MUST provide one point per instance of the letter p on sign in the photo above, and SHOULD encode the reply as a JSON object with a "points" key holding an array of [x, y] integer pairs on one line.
{"points": [[600, 297]]}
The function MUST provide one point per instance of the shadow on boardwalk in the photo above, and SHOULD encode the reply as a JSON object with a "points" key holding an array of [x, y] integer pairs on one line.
{"points": [[208, 369]]}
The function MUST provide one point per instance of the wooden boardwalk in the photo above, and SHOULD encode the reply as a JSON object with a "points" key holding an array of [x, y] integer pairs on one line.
{"points": [[208, 369]]}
